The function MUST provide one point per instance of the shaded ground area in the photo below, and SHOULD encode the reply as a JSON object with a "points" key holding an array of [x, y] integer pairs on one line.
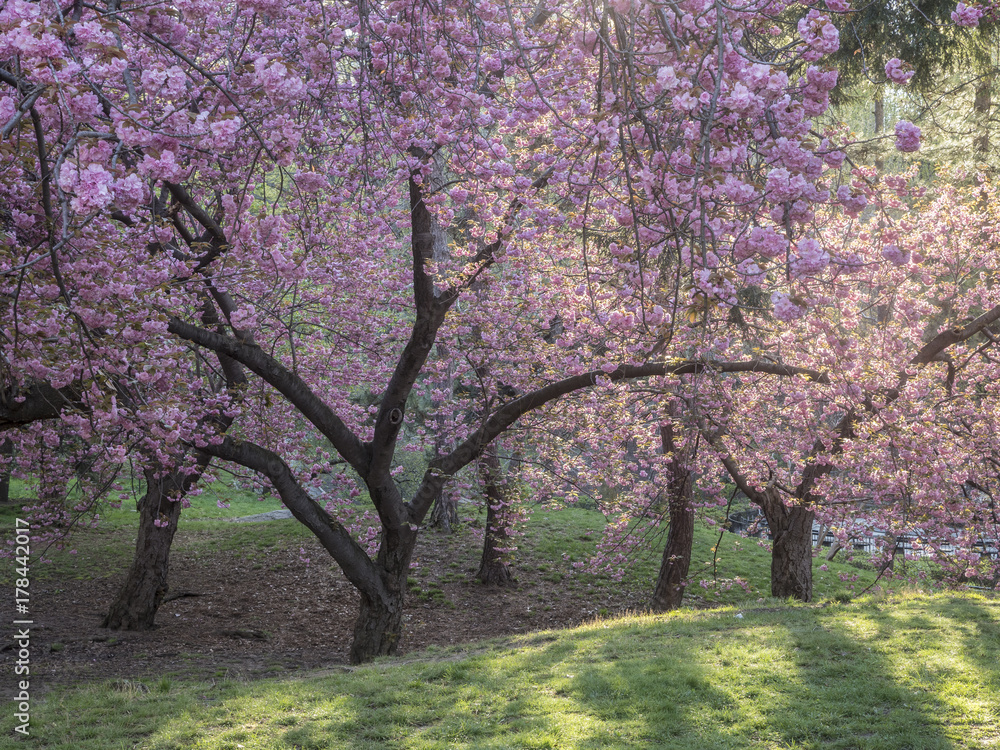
{"points": [[251, 614]]}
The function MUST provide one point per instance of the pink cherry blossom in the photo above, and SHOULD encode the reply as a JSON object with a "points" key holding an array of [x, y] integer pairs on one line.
{"points": [[966, 15], [784, 308], [898, 72], [907, 136], [895, 255], [810, 258]]}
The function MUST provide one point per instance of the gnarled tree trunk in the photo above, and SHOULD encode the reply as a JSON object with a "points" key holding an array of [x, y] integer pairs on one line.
{"points": [[139, 598], [379, 626], [791, 555], [494, 566], [672, 581]]}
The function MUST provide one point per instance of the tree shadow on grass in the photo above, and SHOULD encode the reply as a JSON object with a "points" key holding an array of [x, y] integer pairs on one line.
{"points": [[786, 680], [790, 681], [851, 689], [797, 678], [977, 622], [970, 681]]}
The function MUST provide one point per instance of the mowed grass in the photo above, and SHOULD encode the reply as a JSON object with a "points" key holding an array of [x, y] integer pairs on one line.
{"points": [[910, 671]]}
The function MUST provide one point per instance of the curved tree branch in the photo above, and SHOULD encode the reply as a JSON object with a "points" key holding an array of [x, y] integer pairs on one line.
{"points": [[19, 407], [287, 383], [934, 348], [351, 558], [467, 451]]}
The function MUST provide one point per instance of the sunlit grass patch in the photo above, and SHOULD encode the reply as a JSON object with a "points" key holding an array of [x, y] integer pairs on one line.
{"points": [[912, 671]]}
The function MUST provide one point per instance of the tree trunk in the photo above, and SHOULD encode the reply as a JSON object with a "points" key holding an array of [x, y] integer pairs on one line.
{"points": [[379, 626], [494, 567], [791, 556], [672, 581], [820, 538], [135, 606], [7, 451], [879, 127], [444, 514], [981, 118]]}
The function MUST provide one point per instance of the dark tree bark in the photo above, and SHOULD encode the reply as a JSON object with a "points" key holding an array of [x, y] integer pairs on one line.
{"points": [[444, 513], [139, 598], [791, 555], [37, 401], [494, 566], [6, 450], [379, 626], [672, 581]]}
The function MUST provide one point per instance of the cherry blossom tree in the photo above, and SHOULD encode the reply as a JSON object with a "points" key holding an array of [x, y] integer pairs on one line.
{"points": [[321, 194], [897, 429]]}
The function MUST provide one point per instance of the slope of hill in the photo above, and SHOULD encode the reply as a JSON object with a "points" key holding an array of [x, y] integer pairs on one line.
{"points": [[910, 671]]}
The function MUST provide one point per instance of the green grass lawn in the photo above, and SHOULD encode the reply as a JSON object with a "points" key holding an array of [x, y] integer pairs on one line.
{"points": [[911, 671]]}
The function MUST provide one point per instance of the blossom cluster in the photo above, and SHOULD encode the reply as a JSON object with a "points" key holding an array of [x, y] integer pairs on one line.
{"points": [[966, 15]]}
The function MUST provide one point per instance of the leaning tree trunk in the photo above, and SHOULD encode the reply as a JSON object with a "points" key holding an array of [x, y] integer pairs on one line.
{"points": [[494, 566], [135, 606], [672, 581], [380, 621], [791, 555]]}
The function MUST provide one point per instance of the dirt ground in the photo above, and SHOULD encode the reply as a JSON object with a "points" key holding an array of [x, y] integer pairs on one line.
{"points": [[238, 619]]}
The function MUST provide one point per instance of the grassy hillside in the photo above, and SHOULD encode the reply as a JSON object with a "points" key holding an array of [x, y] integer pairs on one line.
{"points": [[914, 671]]}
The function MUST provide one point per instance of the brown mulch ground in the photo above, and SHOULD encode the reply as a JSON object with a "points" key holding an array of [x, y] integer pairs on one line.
{"points": [[248, 620]]}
